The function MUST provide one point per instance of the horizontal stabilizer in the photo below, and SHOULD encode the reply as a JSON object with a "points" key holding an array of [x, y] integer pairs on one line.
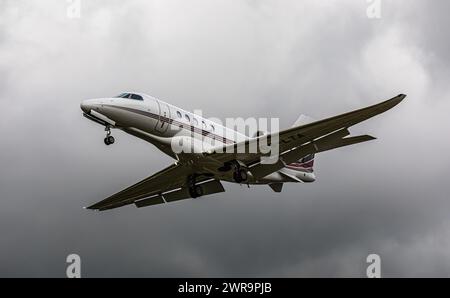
{"points": [[345, 142], [335, 140], [277, 187]]}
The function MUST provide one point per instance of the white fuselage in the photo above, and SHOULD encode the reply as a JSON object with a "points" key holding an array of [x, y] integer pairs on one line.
{"points": [[164, 125]]}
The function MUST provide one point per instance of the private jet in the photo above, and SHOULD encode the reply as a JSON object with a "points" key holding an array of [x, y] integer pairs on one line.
{"points": [[215, 154]]}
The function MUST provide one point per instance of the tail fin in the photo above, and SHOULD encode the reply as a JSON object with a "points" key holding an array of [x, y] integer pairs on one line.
{"points": [[305, 164], [302, 120]]}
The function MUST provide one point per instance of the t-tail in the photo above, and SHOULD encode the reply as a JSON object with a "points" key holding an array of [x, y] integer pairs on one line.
{"points": [[303, 169], [304, 165]]}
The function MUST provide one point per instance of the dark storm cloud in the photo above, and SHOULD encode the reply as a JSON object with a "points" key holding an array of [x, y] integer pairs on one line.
{"points": [[229, 58]]}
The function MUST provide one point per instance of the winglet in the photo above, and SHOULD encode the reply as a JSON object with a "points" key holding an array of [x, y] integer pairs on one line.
{"points": [[399, 98], [90, 209], [390, 103]]}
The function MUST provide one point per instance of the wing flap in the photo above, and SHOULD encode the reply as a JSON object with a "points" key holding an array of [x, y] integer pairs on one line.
{"points": [[149, 202], [209, 187]]}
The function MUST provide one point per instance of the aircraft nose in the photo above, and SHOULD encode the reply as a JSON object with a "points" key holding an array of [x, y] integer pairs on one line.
{"points": [[86, 105]]}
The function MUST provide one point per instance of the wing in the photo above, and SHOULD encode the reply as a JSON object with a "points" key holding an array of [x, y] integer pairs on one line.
{"points": [[165, 186], [296, 142]]}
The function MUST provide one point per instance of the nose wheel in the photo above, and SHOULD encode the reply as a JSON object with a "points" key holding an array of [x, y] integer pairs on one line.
{"points": [[109, 139]]}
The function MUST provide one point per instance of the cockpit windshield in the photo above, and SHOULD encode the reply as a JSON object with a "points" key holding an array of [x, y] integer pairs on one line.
{"points": [[130, 95], [123, 95]]}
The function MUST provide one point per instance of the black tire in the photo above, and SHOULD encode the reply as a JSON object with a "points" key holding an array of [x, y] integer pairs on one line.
{"points": [[243, 174], [111, 140], [106, 141], [237, 177], [196, 191], [240, 176]]}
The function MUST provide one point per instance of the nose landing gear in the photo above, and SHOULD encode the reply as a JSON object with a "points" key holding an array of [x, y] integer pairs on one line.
{"points": [[109, 139]]}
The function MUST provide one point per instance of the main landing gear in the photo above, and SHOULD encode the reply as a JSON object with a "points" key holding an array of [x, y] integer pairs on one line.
{"points": [[195, 191], [240, 172], [109, 139], [240, 175]]}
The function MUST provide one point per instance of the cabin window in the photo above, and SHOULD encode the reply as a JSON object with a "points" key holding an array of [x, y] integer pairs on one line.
{"points": [[188, 119], [179, 114], [195, 121], [203, 125], [212, 128]]}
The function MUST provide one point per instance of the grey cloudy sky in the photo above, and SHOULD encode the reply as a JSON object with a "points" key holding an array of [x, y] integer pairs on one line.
{"points": [[228, 58]]}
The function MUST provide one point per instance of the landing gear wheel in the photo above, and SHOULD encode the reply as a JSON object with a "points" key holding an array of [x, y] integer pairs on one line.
{"points": [[240, 175], [196, 191], [109, 140]]}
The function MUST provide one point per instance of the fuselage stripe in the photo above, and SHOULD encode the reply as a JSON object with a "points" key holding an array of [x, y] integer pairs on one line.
{"points": [[177, 123]]}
